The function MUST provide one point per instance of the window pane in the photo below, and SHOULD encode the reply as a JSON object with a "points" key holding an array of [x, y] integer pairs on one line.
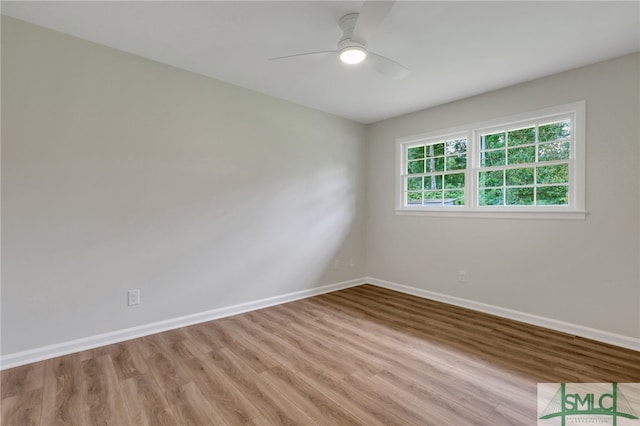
{"points": [[554, 151], [457, 162], [526, 154], [554, 131], [414, 197], [553, 174], [414, 184], [454, 181], [433, 182], [495, 178], [434, 150], [522, 136], [519, 176], [553, 195], [490, 197], [495, 140], [415, 153], [492, 158], [435, 164], [454, 198], [414, 167], [520, 196], [430, 196], [458, 146]]}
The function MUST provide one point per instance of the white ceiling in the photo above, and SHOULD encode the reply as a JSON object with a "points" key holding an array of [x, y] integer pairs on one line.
{"points": [[454, 49]]}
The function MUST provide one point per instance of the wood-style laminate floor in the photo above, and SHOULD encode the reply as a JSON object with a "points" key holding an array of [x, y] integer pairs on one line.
{"points": [[363, 355]]}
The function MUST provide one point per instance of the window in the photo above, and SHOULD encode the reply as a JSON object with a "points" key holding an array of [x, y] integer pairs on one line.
{"points": [[436, 171], [531, 165], [525, 166]]}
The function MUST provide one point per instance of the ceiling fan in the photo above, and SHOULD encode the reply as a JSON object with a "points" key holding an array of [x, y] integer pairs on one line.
{"points": [[357, 29]]}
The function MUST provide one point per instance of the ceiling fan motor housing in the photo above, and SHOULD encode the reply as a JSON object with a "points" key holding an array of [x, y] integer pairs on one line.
{"points": [[349, 50], [347, 25]]}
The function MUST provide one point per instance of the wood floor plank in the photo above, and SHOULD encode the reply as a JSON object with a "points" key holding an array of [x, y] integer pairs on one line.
{"points": [[359, 358], [256, 358], [364, 355], [127, 360], [17, 381], [64, 391], [323, 355], [232, 405], [191, 407], [275, 347], [104, 403], [146, 402], [188, 404], [287, 413], [444, 399], [357, 406], [511, 415], [212, 335], [24, 409], [304, 396], [382, 396], [248, 382], [168, 372]]}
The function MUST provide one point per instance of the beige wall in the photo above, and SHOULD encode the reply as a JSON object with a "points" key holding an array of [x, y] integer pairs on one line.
{"points": [[583, 272], [122, 173]]}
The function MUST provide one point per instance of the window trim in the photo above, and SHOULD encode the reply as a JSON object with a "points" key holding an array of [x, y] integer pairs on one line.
{"points": [[577, 176]]}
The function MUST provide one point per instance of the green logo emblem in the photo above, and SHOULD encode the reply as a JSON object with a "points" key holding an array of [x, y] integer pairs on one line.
{"points": [[585, 404]]}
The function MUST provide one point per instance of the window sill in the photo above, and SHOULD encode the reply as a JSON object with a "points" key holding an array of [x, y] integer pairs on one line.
{"points": [[494, 214]]}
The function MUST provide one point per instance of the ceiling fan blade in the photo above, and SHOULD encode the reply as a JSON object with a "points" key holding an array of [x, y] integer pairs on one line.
{"points": [[371, 16], [303, 54], [386, 66]]}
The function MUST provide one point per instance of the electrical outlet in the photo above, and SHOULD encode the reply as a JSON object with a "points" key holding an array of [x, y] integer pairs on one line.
{"points": [[134, 297], [352, 262], [336, 264], [462, 276]]}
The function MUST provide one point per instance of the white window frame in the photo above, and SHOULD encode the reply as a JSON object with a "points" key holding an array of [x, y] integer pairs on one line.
{"points": [[574, 210]]}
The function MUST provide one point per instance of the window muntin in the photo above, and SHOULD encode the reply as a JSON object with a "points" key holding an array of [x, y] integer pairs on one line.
{"points": [[435, 173], [527, 166]]}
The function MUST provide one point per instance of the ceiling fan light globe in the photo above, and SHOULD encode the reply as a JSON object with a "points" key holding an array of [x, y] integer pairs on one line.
{"points": [[353, 55]]}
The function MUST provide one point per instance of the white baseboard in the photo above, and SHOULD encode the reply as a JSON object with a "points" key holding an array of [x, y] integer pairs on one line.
{"points": [[65, 348], [565, 327]]}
